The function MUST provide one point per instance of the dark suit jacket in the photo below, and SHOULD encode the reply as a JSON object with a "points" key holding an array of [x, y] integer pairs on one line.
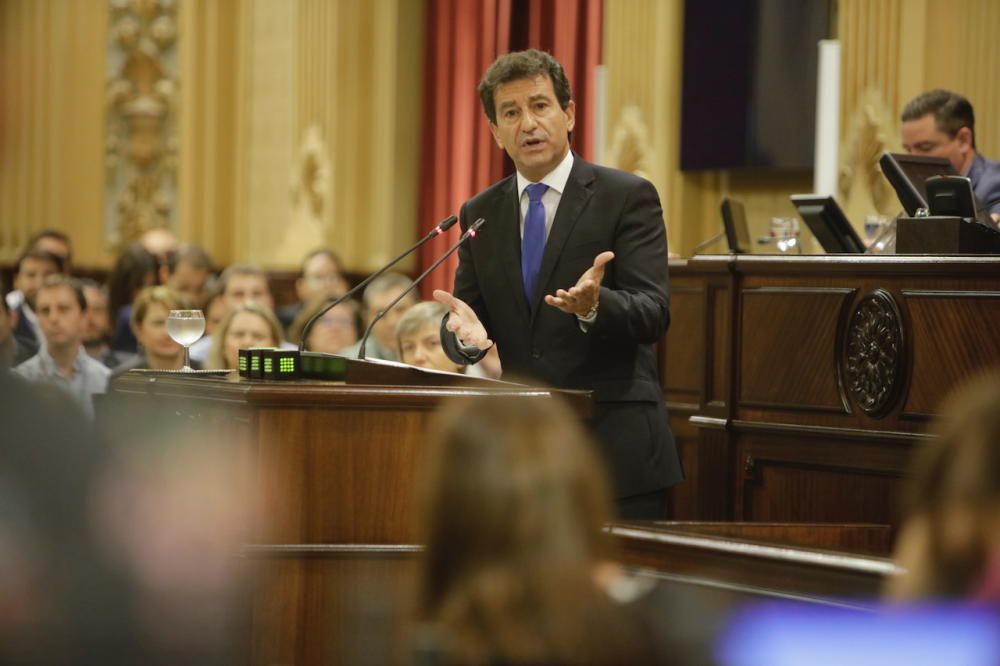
{"points": [[985, 177], [600, 209]]}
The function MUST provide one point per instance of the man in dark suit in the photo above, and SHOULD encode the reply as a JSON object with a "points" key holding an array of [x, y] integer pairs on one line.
{"points": [[569, 277]]}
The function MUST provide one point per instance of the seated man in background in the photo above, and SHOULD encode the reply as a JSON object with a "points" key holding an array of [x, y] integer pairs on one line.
{"points": [[382, 291], [97, 326], [47, 240], [12, 351], [941, 123], [320, 278], [32, 269], [188, 270], [241, 283], [61, 308]]}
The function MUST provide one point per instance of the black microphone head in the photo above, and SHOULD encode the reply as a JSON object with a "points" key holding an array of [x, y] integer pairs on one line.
{"points": [[448, 223], [477, 224]]}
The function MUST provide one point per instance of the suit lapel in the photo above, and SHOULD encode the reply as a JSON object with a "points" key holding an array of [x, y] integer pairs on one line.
{"points": [[571, 204], [508, 229]]}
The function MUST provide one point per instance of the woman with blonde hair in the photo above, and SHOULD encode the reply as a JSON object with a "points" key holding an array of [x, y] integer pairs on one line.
{"points": [[950, 540], [157, 350], [517, 568], [247, 325]]}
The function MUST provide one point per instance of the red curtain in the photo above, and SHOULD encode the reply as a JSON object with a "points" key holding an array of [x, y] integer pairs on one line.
{"points": [[463, 37]]}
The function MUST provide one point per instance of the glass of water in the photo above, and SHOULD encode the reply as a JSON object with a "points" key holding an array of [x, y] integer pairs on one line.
{"points": [[185, 328]]}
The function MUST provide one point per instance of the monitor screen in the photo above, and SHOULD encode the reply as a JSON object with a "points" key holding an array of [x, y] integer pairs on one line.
{"points": [[734, 221], [908, 175], [828, 223]]}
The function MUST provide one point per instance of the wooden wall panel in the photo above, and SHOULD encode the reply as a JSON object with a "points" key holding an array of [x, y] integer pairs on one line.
{"points": [[782, 330]]}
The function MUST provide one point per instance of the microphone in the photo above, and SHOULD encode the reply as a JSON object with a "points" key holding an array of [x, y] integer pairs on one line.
{"points": [[469, 233], [702, 245], [443, 226]]}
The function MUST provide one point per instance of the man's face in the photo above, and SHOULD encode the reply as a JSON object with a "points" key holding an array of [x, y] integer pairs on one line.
{"points": [[60, 317], [188, 279], [422, 348], [531, 126], [33, 272], [96, 324], [56, 247], [243, 288], [385, 330], [321, 278], [923, 137]]}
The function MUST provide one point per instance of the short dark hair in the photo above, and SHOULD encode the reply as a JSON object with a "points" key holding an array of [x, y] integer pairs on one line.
{"points": [[189, 253], [951, 111], [522, 65], [321, 252], [59, 280], [60, 236], [40, 255]]}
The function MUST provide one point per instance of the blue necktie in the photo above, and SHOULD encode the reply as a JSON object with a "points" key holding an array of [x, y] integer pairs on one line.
{"points": [[533, 243]]}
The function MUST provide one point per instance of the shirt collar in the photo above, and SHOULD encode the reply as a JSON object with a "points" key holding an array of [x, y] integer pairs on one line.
{"points": [[555, 179], [977, 165], [48, 364]]}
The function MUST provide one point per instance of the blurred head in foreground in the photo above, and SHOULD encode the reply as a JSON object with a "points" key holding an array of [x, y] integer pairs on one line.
{"points": [[513, 499], [115, 548], [950, 541]]}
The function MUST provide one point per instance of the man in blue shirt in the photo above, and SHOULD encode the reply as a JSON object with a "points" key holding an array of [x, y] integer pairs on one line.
{"points": [[61, 308], [941, 123]]}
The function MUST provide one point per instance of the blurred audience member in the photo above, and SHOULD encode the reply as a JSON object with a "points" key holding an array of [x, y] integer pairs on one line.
{"points": [[62, 360], [321, 278], [157, 350], [247, 325], [950, 540], [122, 554], [46, 240], [97, 326], [214, 307], [419, 338], [188, 270], [159, 242], [241, 283], [134, 270], [382, 291], [12, 351], [517, 568], [32, 268], [336, 330]]}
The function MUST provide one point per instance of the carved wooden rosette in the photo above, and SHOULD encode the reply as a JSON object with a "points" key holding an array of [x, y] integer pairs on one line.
{"points": [[872, 360]]}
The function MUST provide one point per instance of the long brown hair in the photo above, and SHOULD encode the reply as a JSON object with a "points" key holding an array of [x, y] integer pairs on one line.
{"points": [[513, 501], [953, 498]]}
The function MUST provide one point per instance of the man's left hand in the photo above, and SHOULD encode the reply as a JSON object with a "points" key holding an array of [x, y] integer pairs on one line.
{"points": [[582, 297]]}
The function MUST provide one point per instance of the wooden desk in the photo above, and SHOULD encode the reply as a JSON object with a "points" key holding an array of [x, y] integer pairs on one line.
{"points": [[799, 386], [334, 466]]}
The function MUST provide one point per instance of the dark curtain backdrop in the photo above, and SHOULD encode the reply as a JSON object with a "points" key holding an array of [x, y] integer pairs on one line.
{"points": [[458, 155]]}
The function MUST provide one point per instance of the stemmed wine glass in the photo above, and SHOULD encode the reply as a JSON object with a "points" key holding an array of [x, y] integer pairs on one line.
{"points": [[185, 328]]}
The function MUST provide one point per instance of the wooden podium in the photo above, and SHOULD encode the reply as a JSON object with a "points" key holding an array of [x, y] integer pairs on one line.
{"points": [[335, 465]]}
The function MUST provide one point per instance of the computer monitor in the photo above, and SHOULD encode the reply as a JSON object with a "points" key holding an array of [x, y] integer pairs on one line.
{"points": [[734, 221], [828, 223], [908, 175]]}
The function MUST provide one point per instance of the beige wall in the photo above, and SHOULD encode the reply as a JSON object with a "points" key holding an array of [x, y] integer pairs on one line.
{"points": [[52, 73], [256, 75], [891, 51]]}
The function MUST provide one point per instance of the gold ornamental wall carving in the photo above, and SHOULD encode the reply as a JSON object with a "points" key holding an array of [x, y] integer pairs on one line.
{"points": [[141, 148]]}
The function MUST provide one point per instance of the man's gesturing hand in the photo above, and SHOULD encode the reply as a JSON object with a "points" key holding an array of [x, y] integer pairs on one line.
{"points": [[583, 296], [463, 321]]}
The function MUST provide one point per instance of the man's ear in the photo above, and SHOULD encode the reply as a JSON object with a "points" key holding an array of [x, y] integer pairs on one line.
{"points": [[964, 137], [496, 135], [570, 112]]}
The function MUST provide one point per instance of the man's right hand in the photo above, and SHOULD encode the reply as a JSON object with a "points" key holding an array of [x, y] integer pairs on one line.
{"points": [[463, 321]]}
